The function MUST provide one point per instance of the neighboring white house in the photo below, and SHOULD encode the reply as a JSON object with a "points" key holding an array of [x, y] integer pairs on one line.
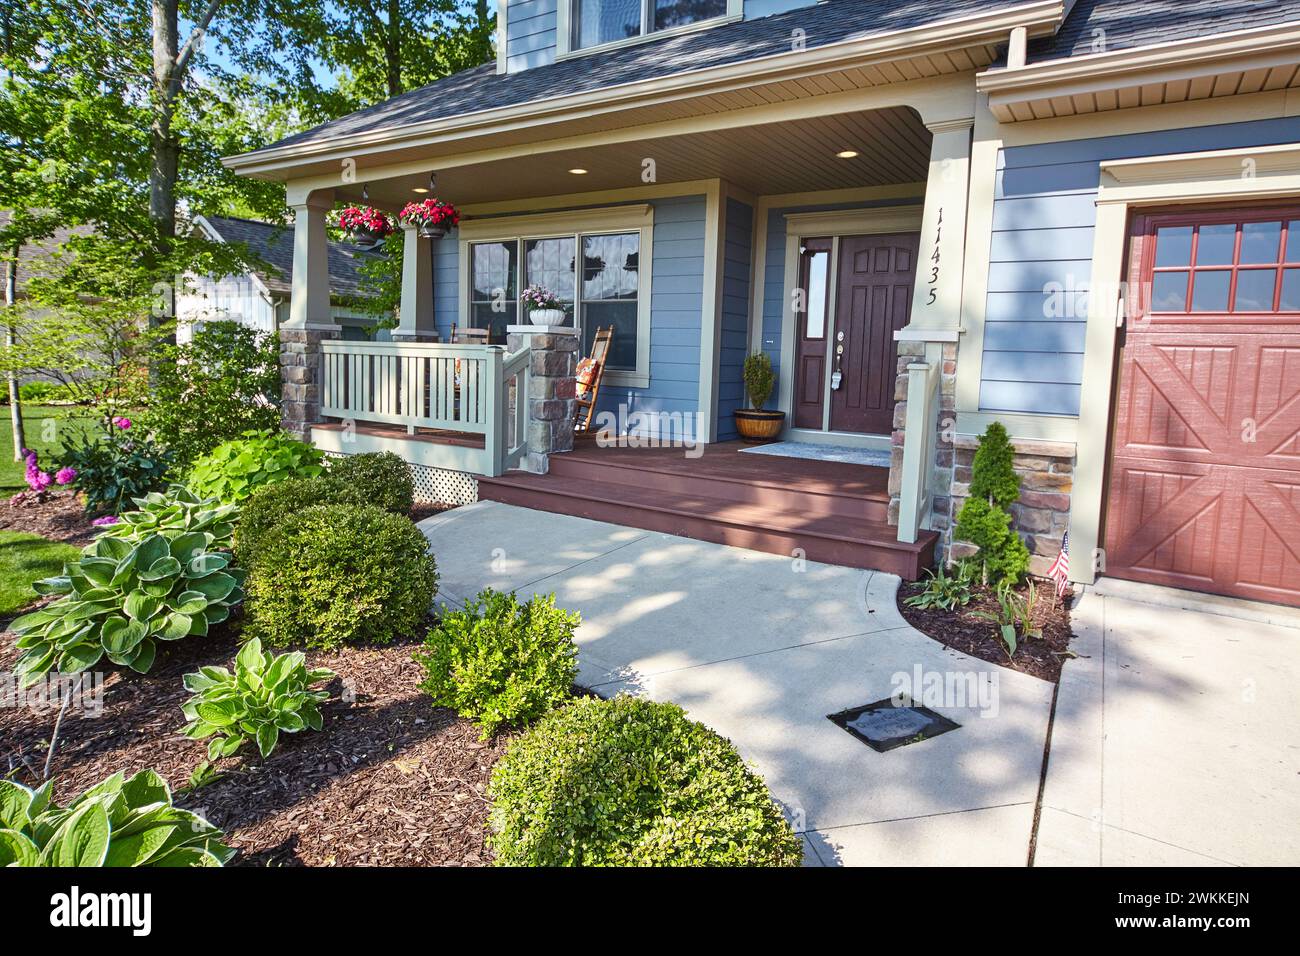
{"points": [[260, 299]]}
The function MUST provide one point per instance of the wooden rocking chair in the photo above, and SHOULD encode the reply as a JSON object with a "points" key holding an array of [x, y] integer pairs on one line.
{"points": [[590, 373]]}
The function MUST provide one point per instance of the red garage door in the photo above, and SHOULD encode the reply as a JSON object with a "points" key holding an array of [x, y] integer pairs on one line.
{"points": [[1204, 486]]}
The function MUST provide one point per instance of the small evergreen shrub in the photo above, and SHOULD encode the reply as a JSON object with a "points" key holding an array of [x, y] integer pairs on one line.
{"points": [[629, 782], [234, 468], [376, 478], [759, 378], [983, 520], [501, 663], [340, 574], [269, 505]]}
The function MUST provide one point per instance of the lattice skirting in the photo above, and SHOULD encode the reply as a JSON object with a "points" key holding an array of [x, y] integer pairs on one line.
{"points": [[439, 485]]}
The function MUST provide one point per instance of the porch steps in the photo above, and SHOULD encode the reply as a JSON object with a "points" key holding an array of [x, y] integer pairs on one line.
{"points": [[743, 511]]}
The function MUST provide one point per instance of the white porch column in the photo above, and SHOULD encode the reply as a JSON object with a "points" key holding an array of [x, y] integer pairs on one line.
{"points": [[416, 317], [926, 387], [309, 306]]}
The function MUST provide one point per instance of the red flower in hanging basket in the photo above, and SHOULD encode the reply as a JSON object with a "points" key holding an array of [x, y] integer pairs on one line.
{"points": [[365, 219], [430, 212]]}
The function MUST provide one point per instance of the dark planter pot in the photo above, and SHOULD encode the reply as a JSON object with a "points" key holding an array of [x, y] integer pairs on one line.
{"points": [[365, 238], [758, 426], [432, 232]]}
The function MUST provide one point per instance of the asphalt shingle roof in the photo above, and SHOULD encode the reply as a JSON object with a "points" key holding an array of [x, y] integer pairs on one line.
{"points": [[481, 88], [274, 243], [1134, 23]]}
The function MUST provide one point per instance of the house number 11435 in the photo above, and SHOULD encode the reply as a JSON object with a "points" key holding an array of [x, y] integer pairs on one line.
{"points": [[934, 261]]}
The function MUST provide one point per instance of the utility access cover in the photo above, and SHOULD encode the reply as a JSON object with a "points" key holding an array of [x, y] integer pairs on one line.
{"points": [[886, 725]]}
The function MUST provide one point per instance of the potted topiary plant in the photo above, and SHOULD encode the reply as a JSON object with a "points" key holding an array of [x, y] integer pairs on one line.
{"points": [[756, 424], [544, 306], [366, 227], [432, 217]]}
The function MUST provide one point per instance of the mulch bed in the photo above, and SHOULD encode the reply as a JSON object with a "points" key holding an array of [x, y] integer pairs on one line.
{"points": [[962, 630], [390, 781], [56, 515]]}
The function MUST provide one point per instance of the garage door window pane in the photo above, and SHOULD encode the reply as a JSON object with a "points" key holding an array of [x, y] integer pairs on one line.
{"points": [[1174, 246], [1210, 291], [1169, 292], [1291, 291], [1215, 245], [1293, 241], [1255, 290], [1259, 242]]}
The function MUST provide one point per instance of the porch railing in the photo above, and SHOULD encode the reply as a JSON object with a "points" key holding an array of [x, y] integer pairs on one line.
{"points": [[465, 389], [918, 448]]}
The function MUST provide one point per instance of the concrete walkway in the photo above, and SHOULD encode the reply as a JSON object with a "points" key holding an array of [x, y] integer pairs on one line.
{"points": [[761, 648], [1177, 735]]}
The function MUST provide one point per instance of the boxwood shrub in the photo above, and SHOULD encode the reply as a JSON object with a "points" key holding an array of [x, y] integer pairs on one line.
{"points": [[381, 479], [630, 782], [340, 574], [269, 505], [498, 662]]}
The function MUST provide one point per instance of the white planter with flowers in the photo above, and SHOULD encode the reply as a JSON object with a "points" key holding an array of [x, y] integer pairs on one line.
{"points": [[544, 306]]}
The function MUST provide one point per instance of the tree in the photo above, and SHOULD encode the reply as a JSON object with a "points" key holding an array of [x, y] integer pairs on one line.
{"points": [[386, 47], [983, 520]]}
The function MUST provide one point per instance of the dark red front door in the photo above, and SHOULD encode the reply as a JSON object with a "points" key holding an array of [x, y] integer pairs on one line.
{"points": [[874, 299]]}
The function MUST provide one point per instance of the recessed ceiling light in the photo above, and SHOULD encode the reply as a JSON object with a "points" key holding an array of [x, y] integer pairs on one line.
{"points": [[419, 189], [578, 171], [847, 153]]}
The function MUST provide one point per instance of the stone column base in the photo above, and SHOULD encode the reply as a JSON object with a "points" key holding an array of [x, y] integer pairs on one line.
{"points": [[552, 385], [300, 369]]}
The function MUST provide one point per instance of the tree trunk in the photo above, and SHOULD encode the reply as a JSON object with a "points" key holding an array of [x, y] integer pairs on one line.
{"points": [[15, 402], [393, 48], [164, 149]]}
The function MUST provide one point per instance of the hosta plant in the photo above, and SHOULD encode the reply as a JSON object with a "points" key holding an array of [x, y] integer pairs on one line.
{"points": [[120, 599], [233, 469], [946, 591], [262, 698], [176, 512], [117, 822]]}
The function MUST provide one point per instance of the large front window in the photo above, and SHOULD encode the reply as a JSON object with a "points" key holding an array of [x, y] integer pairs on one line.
{"points": [[596, 22], [603, 291]]}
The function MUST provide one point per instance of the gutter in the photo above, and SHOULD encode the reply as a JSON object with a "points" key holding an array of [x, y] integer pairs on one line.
{"points": [[1038, 18], [1260, 47]]}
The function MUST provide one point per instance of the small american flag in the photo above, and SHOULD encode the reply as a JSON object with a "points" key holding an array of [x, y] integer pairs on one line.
{"points": [[1060, 569]]}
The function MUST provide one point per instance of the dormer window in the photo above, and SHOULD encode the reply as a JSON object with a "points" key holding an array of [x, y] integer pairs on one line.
{"points": [[598, 23]]}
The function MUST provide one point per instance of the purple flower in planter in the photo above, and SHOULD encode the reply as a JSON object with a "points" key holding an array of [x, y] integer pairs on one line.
{"points": [[105, 521], [65, 476]]}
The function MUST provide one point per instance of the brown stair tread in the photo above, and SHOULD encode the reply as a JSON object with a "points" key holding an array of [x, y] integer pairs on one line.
{"points": [[857, 531]]}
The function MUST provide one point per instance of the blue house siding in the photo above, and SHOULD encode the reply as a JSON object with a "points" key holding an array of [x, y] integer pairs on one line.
{"points": [[446, 284], [735, 315], [1041, 258], [676, 304], [530, 34]]}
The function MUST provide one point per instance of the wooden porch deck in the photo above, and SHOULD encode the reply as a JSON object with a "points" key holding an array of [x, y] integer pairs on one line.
{"points": [[830, 511]]}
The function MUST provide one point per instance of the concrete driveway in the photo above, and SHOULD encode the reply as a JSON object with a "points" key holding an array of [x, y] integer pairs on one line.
{"points": [[1176, 739], [762, 648]]}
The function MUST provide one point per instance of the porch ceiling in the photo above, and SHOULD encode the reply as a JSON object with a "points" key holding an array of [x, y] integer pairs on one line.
{"points": [[893, 147]]}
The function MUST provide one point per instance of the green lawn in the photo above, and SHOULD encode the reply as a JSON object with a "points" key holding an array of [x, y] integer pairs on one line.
{"points": [[25, 559], [46, 428]]}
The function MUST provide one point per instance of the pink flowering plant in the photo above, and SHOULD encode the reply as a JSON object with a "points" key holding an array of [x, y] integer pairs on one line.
{"points": [[38, 479], [537, 297], [365, 219], [113, 464], [430, 212]]}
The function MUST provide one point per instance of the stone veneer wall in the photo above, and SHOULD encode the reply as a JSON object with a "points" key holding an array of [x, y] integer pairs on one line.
{"points": [[909, 352], [300, 365], [1042, 514]]}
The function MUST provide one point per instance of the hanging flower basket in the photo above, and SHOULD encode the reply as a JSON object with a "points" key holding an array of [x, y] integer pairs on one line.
{"points": [[365, 226], [432, 218]]}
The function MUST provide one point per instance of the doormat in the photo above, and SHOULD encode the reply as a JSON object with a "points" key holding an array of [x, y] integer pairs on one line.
{"points": [[884, 725], [816, 452]]}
